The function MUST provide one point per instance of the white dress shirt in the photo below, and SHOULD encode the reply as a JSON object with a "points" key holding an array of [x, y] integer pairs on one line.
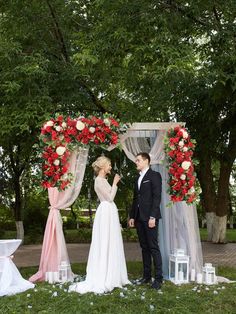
{"points": [[142, 174]]}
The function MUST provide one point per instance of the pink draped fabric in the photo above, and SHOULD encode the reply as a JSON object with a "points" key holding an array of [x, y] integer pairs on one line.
{"points": [[54, 249]]}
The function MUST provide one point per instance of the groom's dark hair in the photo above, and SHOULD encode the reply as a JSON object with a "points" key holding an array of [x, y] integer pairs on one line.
{"points": [[144, 156]]}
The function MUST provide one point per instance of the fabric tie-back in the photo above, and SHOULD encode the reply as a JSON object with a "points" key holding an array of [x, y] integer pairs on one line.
{"points": [[54, 249], [178, 227]]}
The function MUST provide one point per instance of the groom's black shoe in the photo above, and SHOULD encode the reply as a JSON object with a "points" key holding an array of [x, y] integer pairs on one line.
{"points": [[156, 285], [144, 281]]}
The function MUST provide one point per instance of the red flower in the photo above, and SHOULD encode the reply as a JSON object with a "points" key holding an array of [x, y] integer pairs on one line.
{"points": [[114, 122]]}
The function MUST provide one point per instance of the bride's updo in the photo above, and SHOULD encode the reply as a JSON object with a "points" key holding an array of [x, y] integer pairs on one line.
{"points": [[100, 163]]}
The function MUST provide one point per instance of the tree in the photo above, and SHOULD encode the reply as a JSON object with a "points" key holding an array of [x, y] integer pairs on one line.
{"points": [[37, 78], [177, 59]]}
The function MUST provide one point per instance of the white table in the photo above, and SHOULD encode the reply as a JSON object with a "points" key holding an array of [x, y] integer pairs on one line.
{"points": [[11, 281]]}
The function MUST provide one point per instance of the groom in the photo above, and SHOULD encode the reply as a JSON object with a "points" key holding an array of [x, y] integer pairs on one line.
{"points": [[144, 215]]}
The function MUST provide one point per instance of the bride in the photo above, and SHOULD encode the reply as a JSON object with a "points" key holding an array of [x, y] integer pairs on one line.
{"points": [[106, 267]]}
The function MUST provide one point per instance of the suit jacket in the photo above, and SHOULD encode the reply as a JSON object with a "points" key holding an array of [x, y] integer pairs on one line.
{"points": [[146, 200]]}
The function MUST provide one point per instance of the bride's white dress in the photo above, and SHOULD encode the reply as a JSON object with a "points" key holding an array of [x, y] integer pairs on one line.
{"points": [[106, 267]]}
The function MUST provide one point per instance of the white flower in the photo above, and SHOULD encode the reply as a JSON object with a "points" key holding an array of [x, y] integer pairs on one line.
{"points": [[56, 162], [58, 128], [185, 165], [151, 307], [92, 129], [185, 149], [181, 143], [65, 176], [28, 295], [183, 177], [50, 123], [215, 292], [192, 190], [185, 134], [107, 122], [64, 125], [60, 150], [54, 294], [80, 125]]}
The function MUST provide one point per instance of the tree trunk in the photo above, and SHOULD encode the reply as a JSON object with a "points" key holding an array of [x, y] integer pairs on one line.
{"points": [[222, 204], [205, 177], [20, 230], [18, 209]]}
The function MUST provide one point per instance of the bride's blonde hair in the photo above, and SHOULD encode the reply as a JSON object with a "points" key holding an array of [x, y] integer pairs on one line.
{"points": [[100, 163]]}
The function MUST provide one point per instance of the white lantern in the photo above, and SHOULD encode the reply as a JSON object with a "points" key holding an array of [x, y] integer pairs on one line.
{"points": [[179, 267], [209, 276], [64, 272]]}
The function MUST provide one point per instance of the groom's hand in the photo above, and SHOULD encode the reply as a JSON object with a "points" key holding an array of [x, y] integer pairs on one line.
{"points": [[131, 223], [152, 223]]}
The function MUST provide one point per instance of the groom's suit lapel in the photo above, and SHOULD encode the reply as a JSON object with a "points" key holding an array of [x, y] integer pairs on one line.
{"points": [[145, 177]]}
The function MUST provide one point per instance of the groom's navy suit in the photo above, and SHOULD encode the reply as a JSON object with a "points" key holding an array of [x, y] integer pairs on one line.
{"points": [[146, 204]]}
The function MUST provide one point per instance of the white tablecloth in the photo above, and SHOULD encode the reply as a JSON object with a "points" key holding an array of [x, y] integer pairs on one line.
{"points": [[11, 281]]}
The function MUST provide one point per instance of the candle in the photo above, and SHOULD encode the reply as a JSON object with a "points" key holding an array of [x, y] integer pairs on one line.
{"points": [[199, 278], [50, 277], [181, 275], [193, 274], [55, 276]]}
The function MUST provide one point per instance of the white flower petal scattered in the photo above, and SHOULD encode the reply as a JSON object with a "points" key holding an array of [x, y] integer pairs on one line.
{"points": [[28, 295], [151, 307], [55, 294], [64, 125], [215, 292], [29, 306], [122, 295]]}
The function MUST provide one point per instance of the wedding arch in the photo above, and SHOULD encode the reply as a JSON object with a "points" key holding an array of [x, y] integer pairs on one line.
{"points": [[65, 167]]}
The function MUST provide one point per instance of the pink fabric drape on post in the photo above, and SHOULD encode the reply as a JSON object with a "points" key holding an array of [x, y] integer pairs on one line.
{"points": [[54, 249]]}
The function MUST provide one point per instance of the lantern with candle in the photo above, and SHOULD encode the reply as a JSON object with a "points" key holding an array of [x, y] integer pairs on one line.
{"points": [[64, 272], [209, 277], [179, 267]]}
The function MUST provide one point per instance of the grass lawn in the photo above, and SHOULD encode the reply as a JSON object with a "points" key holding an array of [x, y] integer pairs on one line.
{"points": [[183, 299]]}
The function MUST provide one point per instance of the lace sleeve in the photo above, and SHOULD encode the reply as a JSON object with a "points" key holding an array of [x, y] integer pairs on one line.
{"points": [[104, 191]]}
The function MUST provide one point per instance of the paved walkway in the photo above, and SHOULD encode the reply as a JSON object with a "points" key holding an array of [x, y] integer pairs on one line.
{"points": [[217, 254]]}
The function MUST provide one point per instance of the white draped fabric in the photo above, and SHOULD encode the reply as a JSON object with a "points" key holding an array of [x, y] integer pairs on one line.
{"points": [[11, 281], [54, 249], [178, 227]]}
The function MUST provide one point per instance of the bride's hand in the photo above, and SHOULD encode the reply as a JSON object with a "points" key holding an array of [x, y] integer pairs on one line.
{"points": [[116, 179]]}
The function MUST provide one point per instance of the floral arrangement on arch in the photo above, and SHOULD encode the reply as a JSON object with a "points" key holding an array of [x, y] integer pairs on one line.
{"points": [[179, 149], [59, 137]]}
